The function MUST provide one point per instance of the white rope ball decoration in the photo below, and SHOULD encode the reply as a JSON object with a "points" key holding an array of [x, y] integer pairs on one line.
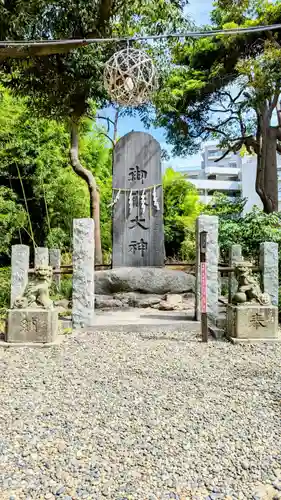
{"points": [[130, 77]]}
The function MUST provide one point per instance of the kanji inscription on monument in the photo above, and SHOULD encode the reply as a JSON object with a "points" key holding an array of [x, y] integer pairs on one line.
{"points": [[138, 231]]}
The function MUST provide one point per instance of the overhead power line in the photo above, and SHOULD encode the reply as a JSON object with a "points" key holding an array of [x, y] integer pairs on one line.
{"points": [[36, 48], [185, 34]]}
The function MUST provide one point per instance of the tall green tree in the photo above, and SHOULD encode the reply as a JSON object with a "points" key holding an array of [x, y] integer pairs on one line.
{"points": [[62, 86], [228, 88], [34, 169], [181, 207]]}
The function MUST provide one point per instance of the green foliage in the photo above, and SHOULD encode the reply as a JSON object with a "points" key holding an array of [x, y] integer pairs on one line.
{"points": [[197, 100], [66, 287], [37, 181], [223, 207], [181, 207], [63, 85], [250, 231], [12, 219], [5, 287]]}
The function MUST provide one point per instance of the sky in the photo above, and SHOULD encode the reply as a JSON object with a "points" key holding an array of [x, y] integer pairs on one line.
{"points": [[199, 11]]}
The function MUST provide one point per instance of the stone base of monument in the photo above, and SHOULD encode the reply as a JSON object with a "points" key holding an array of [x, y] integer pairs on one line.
{"points": [[32, 326], [251, 323]]}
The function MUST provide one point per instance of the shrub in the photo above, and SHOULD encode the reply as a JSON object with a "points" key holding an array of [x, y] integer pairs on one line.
{"points": [[5, 289]]}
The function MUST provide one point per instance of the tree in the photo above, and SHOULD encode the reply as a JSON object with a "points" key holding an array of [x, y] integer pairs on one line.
{"points": [[62, 86], [34, 169], [228, 87], [221, 206], [12, 219], [181, 207]]}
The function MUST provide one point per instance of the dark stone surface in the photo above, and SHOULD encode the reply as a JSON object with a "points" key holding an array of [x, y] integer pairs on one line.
{"points": [[138, 237], [145, 280]]}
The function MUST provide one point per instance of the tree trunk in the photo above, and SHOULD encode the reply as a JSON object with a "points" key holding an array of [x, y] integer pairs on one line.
{"points": [[87, 176], [270, 173], [266, 179], [115, 126]]}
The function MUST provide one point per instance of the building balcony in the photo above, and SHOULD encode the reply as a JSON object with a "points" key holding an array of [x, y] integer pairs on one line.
{"points": [[214, 185], [222, 171]]}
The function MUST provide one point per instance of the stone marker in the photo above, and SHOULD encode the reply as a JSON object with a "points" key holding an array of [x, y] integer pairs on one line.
{"points": [[54, 262], [83, 294], [250, 315], [32, 317], [252, 321], [19, 270], [210, 224], [41, 256], [269, 269], [138, 231], [32, 325], [235, 255]]}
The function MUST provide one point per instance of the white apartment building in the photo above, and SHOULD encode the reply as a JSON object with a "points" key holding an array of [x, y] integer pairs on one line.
{"points": [[231, 175]]}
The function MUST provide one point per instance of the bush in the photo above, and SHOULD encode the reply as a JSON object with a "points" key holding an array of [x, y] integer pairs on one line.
{"points": [[5, 289], [66, 288], [181, 207]]}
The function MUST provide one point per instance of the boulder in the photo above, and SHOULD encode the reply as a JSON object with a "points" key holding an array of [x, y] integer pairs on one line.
{"points": [[143, 279], [107, 302]]}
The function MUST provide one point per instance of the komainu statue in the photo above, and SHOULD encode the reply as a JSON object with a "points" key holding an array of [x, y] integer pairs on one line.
{"points": [[36, 293], [248, 287]]}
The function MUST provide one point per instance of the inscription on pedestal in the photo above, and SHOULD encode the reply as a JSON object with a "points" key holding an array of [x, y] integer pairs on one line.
{"points": [[252, 321], [32, 325]]}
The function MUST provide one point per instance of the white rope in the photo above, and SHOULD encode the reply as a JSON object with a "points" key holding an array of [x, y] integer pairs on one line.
{"points": [[143, 199], [155, 200], [115, 199]]}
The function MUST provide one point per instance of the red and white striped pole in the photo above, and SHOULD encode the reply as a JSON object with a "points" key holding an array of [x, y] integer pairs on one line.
{"points": [[203, 272]]}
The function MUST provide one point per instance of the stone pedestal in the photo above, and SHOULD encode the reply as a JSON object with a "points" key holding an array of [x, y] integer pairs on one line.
{"points": [[32, 325], [252, 321]]}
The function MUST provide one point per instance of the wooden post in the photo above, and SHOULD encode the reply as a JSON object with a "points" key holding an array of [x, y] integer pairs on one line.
{"points": [[204, 317]]}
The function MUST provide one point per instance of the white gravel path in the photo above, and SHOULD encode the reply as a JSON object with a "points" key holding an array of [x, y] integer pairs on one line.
{"points": [[140, 417]]}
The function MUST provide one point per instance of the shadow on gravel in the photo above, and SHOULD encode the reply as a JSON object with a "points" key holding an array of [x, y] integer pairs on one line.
{"points": [[182, 318]]}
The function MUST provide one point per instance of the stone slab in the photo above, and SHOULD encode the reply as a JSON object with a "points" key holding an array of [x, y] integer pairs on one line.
{"points": [[252, 321], [54, 262], [83, 294], [209, 223], [254, 341], [137, 224], [32, 325], [235, 255], [41, 256], [269, 267], [143, 279], [19, 270], [41, 345]]}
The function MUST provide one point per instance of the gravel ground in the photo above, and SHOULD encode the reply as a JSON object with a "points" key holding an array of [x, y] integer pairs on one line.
{"points": [[140, 417]]}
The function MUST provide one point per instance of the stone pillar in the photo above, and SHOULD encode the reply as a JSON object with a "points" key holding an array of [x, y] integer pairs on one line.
{"points": [[41, 257], [235, 255], [269, 269], [19, 271], [54, 262], [210, 224], [83, 293]]}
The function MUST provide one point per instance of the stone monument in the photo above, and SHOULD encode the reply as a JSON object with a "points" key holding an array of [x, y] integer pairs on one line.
{"points": [[32, 317], [138, 231], [250, 315]]}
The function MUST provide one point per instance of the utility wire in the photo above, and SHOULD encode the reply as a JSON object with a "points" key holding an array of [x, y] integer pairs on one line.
{"points": [[186, 34]]}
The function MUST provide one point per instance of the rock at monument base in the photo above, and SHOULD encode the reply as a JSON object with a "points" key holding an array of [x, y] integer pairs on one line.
{"points": [[143, 279], [32, 325], [252, 321]]}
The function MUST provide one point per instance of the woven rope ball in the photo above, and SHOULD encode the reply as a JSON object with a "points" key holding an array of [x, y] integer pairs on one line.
{"points": [[130, 77]]}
